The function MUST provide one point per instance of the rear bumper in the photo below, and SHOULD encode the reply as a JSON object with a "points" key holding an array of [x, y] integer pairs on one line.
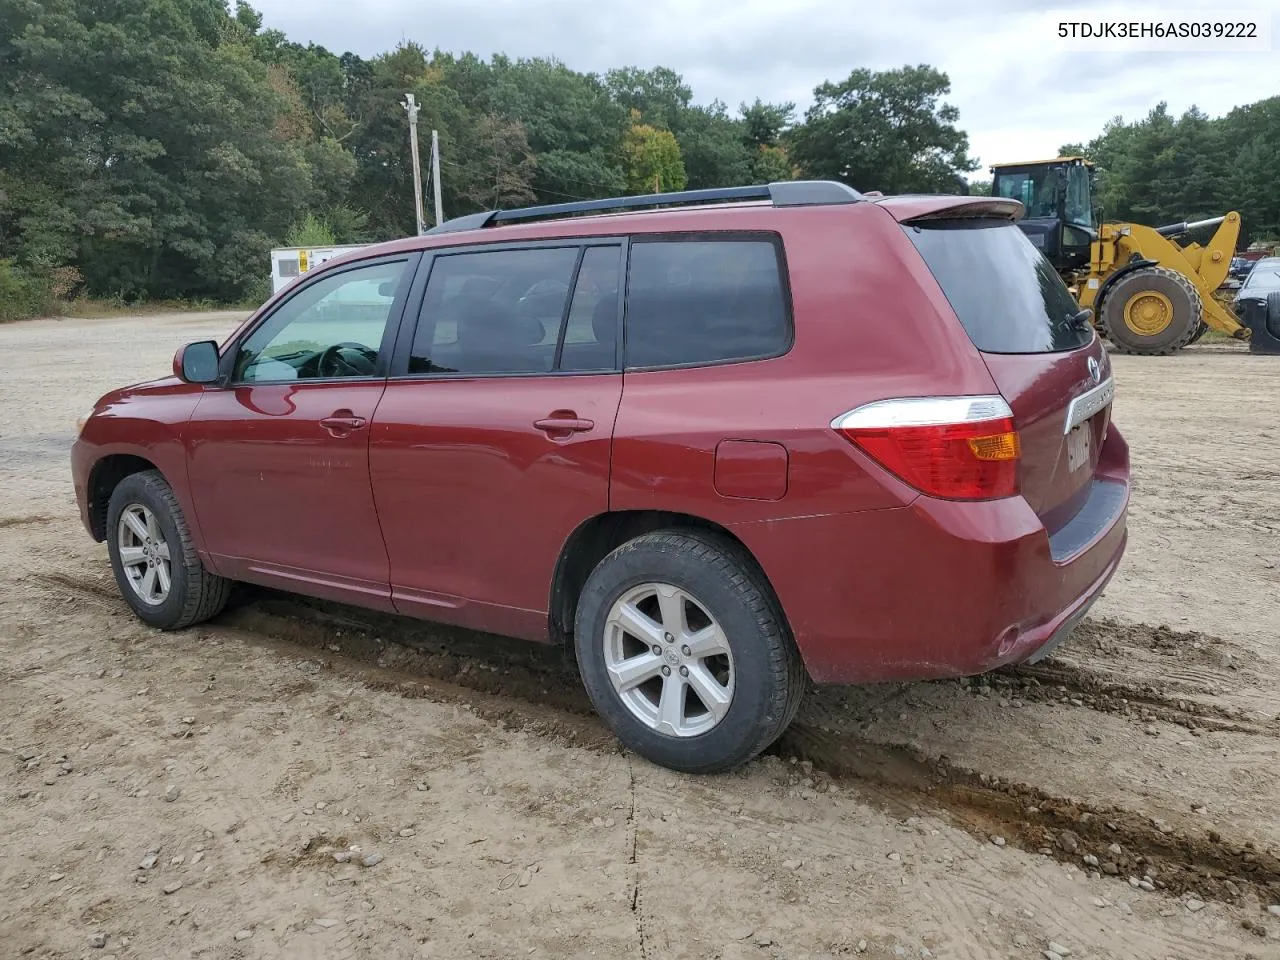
{"points": [[941, 589]]}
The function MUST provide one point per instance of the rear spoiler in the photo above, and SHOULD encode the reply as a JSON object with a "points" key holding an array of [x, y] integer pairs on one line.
{"points": [[1000, 208]]}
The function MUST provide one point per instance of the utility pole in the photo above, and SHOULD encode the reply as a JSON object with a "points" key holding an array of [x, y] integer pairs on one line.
{"points": [[435, 174], [411, 108]]}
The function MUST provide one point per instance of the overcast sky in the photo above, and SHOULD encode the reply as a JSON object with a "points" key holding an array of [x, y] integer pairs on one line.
{"points": [[1021, 91]]}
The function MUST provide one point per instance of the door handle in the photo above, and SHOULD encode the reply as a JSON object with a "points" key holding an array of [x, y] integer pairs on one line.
{"points": [[564, 424], [341, 422]]}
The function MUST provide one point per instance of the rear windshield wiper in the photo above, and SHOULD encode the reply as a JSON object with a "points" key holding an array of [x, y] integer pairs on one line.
{"points": [[1078, 319]]}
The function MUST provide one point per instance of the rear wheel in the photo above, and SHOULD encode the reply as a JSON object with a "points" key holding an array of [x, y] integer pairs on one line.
{"points": [[685, 653], [1152, 311], [154, 558]]}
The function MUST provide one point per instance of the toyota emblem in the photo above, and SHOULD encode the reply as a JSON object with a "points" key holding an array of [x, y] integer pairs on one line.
{"points": [[1095, 371]]}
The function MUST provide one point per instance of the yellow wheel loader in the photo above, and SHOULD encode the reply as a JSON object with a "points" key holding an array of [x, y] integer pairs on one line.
{"points": [[1149, 294]]}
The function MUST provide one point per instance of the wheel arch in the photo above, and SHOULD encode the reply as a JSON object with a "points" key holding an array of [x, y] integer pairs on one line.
{"points": [[596, 537], [105, 476]]}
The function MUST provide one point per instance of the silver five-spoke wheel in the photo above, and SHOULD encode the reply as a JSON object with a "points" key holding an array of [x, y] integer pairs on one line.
{"points": [[669, 660], [144, 554]]}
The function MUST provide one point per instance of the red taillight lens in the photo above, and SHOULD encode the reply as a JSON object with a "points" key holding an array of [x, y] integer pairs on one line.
{"points": [[955, 448]]}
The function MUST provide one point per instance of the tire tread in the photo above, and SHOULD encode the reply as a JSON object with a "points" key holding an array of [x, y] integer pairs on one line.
{"points": [[205, 594], [1113, 319], [726, 559]]}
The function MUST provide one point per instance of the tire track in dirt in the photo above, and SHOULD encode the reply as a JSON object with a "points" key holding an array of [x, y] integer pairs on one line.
{"points": [[1179, 862], [36, 520], [96, 590], [542, 695], [1060, 681]]}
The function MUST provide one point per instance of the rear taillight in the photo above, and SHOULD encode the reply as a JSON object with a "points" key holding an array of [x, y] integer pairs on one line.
{"points": [[955, 448]]}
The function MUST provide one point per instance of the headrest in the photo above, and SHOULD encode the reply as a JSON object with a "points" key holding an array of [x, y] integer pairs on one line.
{"points": [[604, 319], [487, 327]]}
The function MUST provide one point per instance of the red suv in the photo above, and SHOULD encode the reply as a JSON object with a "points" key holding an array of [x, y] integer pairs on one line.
{"points": [[717, 440]]}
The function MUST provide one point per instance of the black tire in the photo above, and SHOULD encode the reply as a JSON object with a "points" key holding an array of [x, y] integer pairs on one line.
{"points": [[1272, 321], [1173, 287], [1200, 330], [195, 594], [769, 677]]}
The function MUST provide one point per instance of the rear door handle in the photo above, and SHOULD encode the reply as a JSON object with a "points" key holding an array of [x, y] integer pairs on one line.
{"points": [[564, 424]]}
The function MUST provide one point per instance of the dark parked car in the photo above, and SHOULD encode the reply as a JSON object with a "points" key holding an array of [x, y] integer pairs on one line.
{"points": [[1240, 267], [719, 446], [1263, 279]]}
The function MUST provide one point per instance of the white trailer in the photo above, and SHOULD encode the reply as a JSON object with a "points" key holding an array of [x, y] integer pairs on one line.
{"points": [[289, 263]]}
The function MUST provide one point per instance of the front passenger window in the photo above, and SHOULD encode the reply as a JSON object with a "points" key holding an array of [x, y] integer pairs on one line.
{"points": [[330, 329]]}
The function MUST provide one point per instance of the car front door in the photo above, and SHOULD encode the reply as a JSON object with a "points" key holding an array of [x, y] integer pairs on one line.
{"points": [[492, 442], [279, 456]]}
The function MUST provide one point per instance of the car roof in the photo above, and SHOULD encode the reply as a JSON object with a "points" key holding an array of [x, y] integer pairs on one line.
{"points": [[564, 221]]}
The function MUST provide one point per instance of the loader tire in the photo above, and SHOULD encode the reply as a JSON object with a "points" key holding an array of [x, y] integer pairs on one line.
{"points": [[1199, 332], [1152, 312]]}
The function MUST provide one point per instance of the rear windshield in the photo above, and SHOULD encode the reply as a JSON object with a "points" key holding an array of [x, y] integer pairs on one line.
{"points": [[1007, 295]]}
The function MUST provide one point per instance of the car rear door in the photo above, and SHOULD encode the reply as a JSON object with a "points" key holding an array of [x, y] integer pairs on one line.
{"points": [[492, 442], [1043, 354]]}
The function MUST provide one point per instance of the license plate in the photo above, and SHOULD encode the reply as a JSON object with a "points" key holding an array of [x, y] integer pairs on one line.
{"points": [[1078, 445]]}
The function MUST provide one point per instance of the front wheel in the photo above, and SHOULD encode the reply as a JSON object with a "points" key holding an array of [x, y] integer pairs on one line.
{"points": [[1151, 312], [685, 653], [154, 558]]}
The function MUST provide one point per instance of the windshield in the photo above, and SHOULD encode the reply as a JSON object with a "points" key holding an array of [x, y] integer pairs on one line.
{"points": [[1006, 294], [1035, 189], [1263, 278]]}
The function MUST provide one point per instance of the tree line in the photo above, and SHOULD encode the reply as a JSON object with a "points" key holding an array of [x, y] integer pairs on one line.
{"points": [[160, 148], [156, 149]]}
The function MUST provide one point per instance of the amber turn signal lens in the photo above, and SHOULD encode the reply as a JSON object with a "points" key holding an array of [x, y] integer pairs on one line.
{"points": [[1000, 446]]}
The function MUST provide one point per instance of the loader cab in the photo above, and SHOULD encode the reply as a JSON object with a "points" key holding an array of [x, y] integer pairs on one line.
{"points": [[1058, 196]]}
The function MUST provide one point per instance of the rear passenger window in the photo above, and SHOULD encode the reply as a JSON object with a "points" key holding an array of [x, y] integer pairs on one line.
{"points": [[704, 301], [495, 311]]}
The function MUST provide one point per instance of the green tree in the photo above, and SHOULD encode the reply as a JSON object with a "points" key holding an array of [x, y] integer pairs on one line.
{"points": [[764, 123], [887, 131], [713, 149], [496, 166], [139, 140], [660, 95], [311, 231], [652, 159], [573, 126]]}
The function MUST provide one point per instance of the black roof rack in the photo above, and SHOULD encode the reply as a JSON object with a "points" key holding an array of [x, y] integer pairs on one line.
{"points": [[788, 193]]}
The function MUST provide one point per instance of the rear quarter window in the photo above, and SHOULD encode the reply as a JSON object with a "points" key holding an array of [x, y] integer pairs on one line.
{"points": [[1006, 294], [705, 301]]}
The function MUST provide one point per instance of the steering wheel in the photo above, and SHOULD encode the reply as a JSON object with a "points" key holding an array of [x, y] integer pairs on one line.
{"points": [[346, 359]]}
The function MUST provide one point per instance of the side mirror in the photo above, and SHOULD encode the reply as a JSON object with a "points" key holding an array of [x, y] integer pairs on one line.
{"points": [[197, 362]]}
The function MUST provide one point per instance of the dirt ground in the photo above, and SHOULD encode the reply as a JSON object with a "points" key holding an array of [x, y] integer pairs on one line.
{"points": [[300, 780]]}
